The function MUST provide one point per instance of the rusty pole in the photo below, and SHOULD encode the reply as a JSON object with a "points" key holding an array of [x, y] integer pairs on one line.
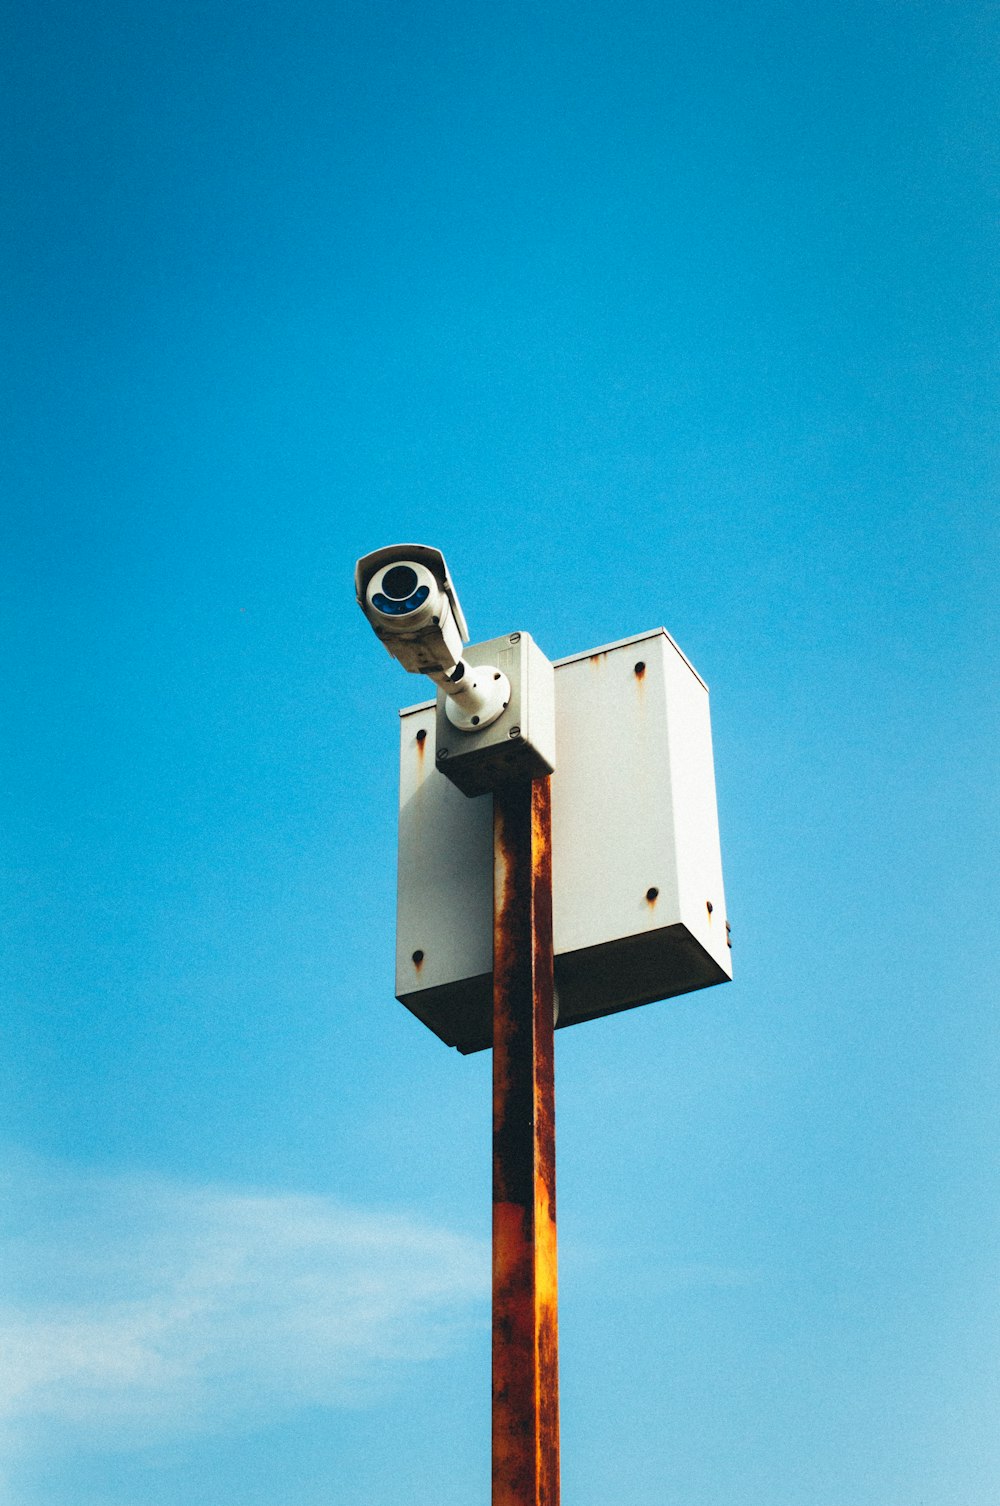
{"points": [[525, 1330]]}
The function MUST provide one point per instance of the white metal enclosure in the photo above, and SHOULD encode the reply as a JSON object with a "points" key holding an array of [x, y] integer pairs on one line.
{"points": [[638, 906]]}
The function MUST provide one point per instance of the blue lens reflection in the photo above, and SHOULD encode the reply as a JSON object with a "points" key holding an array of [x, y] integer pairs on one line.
{"points": [[400, 608]]}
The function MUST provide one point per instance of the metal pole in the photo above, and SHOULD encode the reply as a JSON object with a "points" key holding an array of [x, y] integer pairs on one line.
{"points": [[525, 1328]]}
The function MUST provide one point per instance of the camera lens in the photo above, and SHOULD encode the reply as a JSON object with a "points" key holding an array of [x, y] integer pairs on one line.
{"points": [[399, 582]]}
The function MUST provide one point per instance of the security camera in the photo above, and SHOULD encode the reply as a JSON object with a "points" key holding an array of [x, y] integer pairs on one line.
{"points": [[407, 595]]}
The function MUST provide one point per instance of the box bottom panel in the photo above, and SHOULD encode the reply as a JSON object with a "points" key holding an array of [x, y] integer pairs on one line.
{"points": [[591, 982]]}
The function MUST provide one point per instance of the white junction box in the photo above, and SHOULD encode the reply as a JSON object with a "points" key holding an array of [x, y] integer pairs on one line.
{"points": [[520, 744], [638, 907]]}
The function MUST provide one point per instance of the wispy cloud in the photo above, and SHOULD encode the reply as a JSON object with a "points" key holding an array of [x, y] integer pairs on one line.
{"points": [[135, 1307]]}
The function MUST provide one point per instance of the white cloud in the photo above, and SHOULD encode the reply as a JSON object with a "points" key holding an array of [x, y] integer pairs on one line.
{"points": [[139, 1308]]}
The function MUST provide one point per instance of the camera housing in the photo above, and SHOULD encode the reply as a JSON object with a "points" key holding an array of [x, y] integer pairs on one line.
{"points": [[407, 595]]}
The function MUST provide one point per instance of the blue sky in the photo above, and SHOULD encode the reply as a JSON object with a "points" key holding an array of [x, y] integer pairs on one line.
{"points": [[644, 315]]}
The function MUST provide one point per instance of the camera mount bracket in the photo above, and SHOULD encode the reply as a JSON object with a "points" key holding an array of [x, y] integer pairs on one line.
{"points": [[476, 696]]}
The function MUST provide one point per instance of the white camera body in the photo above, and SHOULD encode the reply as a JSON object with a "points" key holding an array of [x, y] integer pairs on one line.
{"points": [[407, 595]]}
